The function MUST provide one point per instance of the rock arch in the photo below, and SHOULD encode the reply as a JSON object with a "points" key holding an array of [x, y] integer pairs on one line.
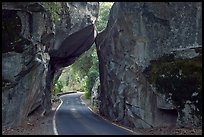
{"points": [[144, 45]]}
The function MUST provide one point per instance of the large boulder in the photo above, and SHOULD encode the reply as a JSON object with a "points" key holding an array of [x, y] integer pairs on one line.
{"points": [[24, 59], [75, 32], [150, 64]]}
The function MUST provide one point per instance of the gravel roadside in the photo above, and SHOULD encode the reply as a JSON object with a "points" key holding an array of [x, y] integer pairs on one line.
{"points": [[155, 131], [35, 124], [38, 125]]}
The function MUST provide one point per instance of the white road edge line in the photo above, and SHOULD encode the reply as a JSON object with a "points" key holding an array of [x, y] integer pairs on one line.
{"points": [[108, 120], [53, 121]]}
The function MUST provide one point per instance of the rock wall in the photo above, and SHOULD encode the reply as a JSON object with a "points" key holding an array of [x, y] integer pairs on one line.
{"points": [[34, 49], [150, 59], [150, 64], [24, 59]]}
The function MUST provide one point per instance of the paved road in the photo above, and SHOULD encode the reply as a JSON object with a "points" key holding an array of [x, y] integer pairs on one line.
{"points": [[74, 118]]}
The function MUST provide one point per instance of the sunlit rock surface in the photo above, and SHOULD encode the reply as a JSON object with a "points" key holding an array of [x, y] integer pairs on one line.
{"points": [[150, 64]]}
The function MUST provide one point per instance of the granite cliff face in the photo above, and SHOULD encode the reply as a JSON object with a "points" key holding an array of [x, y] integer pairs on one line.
{"points": [[150, 59], [75, 32], [34, 49], [24, 59], [150, 64]]}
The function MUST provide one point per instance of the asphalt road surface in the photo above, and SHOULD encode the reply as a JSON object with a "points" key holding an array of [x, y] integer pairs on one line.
{"points": [[74, 118]]}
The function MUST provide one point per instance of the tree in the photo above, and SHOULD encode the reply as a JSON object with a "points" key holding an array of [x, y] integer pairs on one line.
{"points": [[103, 15], [57, 88], [85, 70]]}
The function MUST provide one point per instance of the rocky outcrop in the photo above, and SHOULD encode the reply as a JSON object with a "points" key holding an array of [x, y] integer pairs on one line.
{"points": [[150, 64], [75, 33], [150, 59], [24, 59], [33, 49]]}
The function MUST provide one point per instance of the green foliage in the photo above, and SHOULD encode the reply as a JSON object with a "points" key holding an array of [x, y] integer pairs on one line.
{"points": [[55, 9], [84, 88], [70, 79], [83, 64], [91, 79], [57, 88], [87, 95], [81, 70], [83, 73], [92, 75], [178, 79], [103, 15]]}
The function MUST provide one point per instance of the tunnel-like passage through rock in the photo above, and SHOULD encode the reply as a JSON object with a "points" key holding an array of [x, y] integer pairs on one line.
{"points": [[149, 59], [37, 49]]}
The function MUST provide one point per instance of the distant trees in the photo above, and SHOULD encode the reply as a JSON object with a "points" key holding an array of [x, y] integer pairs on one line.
{"points": [[57, 87], [103, 15], [55, 9], [83, 73]]}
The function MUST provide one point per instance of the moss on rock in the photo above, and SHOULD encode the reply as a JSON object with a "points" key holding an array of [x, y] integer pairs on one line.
{"points": [[179, 79], [55, 9]]}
